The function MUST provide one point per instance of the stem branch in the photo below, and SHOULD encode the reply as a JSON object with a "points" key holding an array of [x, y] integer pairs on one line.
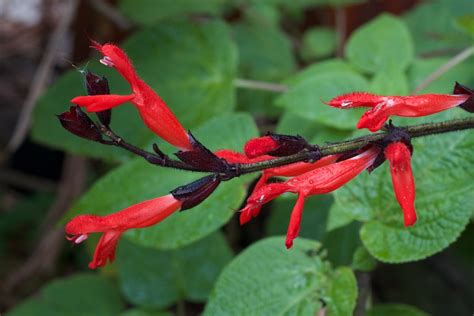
{"points": [[356, 143]]}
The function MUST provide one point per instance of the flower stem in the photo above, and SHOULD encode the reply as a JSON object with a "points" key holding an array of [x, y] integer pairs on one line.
{"points": [[356, 143]]}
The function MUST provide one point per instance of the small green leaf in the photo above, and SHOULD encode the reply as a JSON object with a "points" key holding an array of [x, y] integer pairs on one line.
{"points": [[148, 12], [318, 42], [443, 176], [384, 43], [76, 295], [322, 82], [395, 310], [191, 65], [137, 181], [363, 260], [156, 279], [268, 279]]}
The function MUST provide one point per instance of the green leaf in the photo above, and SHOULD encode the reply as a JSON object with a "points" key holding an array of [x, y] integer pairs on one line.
{"points": [[444, 34], [137, 180], [156, 279], [265, 54], [267, 279], [363, 260], [313, 224], [443, 176], [318, 42], [322, 82], [342, 294], [149, 11], [390, 82], [191, 65], [422, 68], [384, 43], [395, 310], [74, 295]]}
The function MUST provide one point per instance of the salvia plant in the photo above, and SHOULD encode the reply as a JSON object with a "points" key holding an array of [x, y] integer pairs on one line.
{"points": [[311, 168], [365, 165]]}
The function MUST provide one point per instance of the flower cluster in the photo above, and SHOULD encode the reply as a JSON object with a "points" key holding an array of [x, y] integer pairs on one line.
{"points": [[317, 173]]}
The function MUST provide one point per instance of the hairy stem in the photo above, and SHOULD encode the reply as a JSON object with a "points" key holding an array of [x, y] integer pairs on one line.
{"points": [[156, 159], [356, 143]]}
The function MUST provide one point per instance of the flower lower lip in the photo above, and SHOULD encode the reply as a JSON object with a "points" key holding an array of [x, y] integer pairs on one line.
{"points": [[107, 61], [78, 238]]}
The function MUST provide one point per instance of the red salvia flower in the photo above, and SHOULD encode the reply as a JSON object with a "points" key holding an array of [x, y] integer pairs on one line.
{"points": [[382, 107], [112, 226], [276, 145], [153, 110], [399, 157], [318, 181], [260, 146]]}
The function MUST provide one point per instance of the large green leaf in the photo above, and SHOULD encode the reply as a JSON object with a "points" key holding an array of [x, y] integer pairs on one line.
{"points": [[137, 180], [322, 82], [191, 65], [318, 42], [443, 176], [154, 279], [267, 279], [383, 43], [77, 295], [149, 11]]}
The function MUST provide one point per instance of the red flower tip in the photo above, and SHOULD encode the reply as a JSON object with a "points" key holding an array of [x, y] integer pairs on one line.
{"points": [[408, 106], [372, 120], [101, 102], [260, 146], [399, 157], [116, 57], [260, 197], [295, 221], [355, 99], [112, 226]]}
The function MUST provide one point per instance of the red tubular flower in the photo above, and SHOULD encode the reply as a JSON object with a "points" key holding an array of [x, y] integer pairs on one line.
{"points": [[112, 226], [291, 170], [153, 110], [399, 157], [385, 106], [318, 181]]}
